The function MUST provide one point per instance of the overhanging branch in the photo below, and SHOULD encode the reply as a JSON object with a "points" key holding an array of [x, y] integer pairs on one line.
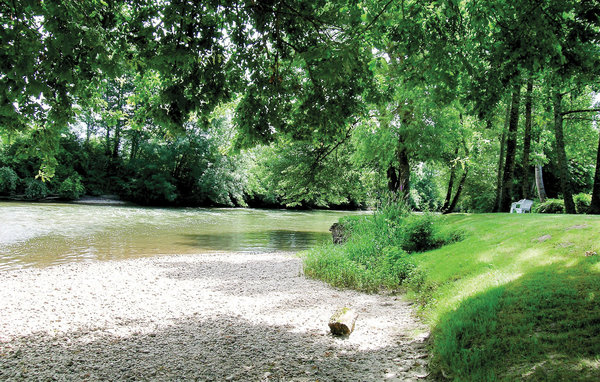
{"points": [[580, 111]]}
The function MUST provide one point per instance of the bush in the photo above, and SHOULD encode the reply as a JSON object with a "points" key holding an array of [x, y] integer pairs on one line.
{"points": [[8, 180], [422, 233], [395, 266], [419, 234], [551, 206], [582, 202], [35, 189], [71, 188]]}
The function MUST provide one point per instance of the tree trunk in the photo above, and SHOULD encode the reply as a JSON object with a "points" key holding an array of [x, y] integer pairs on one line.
{"points": [[461, 184], [527, 141], [107, 141], [511, 150], [403, 170], [501, 160], [118, 126], [563, 170], [539, 183], [135, 139], [450, 187], [117, 142], [392, 176], [595, 205], [450, 184], [88, 128]]}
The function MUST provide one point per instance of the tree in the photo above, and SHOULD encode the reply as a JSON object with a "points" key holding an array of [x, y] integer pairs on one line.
{"points": [[511, 146], [501, 159], [527, 140], [595, 204]]}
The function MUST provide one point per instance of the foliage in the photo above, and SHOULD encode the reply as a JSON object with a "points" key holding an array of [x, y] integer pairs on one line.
{"points": [[300, 174], [35, 189], [425, 192], [222, 183], [479, 190], [582, 202], [8, 180], [150, 187], [71, 188], [349, 96], [550, 206]]}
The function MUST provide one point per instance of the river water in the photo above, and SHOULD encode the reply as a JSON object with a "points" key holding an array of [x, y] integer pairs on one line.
{"points": [[43, 234]]}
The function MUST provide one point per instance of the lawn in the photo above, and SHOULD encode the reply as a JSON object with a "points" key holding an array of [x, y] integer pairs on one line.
{"points": [[516, 299]]}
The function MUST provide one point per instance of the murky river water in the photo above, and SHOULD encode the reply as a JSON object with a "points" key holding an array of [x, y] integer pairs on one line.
{"points": [[42, 234]]}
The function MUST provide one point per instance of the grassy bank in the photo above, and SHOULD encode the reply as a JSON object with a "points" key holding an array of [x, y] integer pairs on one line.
{"points": [[517, 299]]}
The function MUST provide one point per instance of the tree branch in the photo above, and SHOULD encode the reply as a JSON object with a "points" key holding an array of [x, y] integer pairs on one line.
{"points": [[379, 15], [324, 154], [580, 119], [580, 111]]}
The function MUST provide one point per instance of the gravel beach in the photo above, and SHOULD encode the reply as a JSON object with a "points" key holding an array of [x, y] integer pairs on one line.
{"points": [[213, 317]]}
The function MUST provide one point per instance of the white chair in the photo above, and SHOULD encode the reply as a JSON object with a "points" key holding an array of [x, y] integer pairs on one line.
{"points": [[523, 206]]}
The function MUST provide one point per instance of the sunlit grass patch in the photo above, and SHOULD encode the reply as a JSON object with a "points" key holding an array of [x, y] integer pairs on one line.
{"points": [[517, 299], [505, 305]]}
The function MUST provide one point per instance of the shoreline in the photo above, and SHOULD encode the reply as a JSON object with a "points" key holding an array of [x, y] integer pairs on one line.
{"points": [[216, 316]]}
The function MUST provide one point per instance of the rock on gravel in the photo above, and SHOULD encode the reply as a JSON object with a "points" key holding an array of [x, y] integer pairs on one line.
{"points": [[208, 317]]}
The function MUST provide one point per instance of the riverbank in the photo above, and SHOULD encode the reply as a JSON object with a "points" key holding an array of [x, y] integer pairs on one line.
{"points": [[209, 317]]}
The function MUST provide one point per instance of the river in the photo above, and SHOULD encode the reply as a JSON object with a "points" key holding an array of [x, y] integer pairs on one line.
{"points": [[44, 234]]}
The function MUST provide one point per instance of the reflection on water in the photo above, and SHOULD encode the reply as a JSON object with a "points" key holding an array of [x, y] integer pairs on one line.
{"points": [[33, 234], [282, 240]]}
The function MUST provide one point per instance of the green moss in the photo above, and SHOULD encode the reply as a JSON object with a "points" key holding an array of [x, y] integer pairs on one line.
{"points": [[339, 313]]}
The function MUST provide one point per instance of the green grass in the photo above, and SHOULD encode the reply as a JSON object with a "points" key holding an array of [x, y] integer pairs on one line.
{"points": [[517, 299]]}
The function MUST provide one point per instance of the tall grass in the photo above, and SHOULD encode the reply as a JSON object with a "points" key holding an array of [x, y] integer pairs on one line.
{"points": [[377, 251]]}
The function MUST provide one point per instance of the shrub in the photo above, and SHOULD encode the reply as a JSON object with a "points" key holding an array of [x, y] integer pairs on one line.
{"points": [[8, 180], [71, 188], [551, 206], [582, 202], [35, 189], [419, 234], [422, 233]]}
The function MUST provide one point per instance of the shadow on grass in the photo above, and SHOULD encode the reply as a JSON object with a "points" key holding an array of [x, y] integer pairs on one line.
{"points": [[216, 349], [543, 326]]}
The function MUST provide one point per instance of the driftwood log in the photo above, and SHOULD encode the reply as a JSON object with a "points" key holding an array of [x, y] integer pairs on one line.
{"points": [[342, 322]]}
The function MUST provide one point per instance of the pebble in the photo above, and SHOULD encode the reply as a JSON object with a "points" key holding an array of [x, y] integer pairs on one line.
{"points": [[229, 316]]}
